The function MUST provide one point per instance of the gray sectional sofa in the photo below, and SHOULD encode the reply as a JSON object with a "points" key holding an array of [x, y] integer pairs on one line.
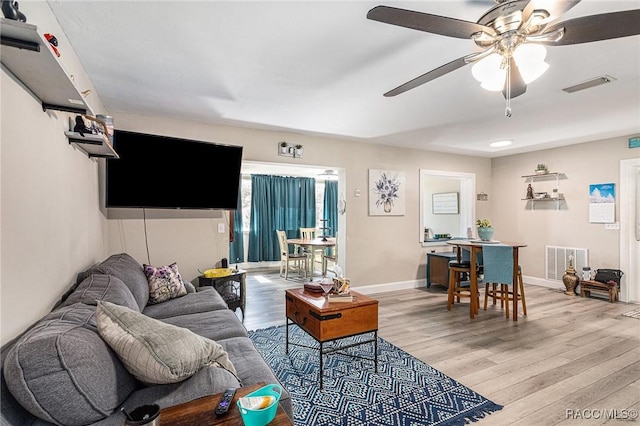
{"points": [[60, 371]]}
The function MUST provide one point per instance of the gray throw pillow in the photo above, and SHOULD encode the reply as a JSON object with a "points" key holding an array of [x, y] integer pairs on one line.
{"points": [[156, 352]]}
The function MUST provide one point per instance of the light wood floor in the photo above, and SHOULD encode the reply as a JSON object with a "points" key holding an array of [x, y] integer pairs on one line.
{"points": [[568, 355]]}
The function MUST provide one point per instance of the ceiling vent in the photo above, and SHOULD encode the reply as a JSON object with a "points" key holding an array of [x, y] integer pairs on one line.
{"points": [[590, 83]]}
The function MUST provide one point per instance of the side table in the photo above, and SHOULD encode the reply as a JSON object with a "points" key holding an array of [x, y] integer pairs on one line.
{"points": [[232, 288], [200, 411]]}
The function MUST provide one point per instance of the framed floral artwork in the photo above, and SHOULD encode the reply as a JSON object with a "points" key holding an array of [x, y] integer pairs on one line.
{"points": [[386, 193]]}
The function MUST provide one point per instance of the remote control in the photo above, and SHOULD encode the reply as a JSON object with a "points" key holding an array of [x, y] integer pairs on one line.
{"points": [[225, 402]]}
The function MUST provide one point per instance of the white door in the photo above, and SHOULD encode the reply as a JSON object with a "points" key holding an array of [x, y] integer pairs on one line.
{"points": [[630, 229]]}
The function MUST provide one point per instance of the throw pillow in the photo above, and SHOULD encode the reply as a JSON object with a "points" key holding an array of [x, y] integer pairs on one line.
{"points": [[165, 283], [156, 352]]}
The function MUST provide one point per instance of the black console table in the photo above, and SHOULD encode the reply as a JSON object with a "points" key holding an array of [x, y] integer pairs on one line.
{"points": [[232, 288], [438, 268]]}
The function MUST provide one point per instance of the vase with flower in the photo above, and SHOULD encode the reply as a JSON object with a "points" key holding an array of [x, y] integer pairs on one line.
{"points": [[485, 230], [386, 189]]}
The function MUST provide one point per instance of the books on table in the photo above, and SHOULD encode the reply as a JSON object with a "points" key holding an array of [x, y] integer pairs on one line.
{"points": [[340, 298]]}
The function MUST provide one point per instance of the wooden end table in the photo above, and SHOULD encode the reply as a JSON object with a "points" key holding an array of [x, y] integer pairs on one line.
{"points": [[200, 411], [329, 321]]}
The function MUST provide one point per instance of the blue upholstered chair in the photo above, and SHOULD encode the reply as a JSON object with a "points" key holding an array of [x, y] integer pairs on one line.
{"points": [[498, 271]]}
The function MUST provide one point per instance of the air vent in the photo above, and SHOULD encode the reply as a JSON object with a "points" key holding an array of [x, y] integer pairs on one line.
{"points": [[557, 261], [590, 83]]}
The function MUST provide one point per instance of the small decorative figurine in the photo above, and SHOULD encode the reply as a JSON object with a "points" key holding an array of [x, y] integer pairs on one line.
{"points": [[80, 126], [53, 41], [529, 192]]}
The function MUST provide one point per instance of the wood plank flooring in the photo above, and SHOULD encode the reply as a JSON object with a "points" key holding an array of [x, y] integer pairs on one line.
{"points": [[567, 362]]}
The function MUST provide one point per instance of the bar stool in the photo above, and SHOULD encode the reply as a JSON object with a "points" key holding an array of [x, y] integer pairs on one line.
{"points": [[496, 293], [458, 286]]}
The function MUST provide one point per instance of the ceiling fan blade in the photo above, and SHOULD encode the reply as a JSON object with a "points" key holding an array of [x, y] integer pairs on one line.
{"points": [[435, 24], [518, 86], [431, 75], [597, 27], [554, 7]]}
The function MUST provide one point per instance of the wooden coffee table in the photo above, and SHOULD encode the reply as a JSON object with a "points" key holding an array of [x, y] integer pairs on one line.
{"points": [[329, 321], [200, 411]]}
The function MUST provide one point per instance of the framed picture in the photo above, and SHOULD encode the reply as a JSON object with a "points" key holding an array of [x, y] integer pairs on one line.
{"points": [[386, 193], [446, 203]]}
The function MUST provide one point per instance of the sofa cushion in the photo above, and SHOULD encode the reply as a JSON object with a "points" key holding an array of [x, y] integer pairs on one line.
{"points": [[165, 282], [215, 325], [192, 303], [128, 270], [207, 381], [63, 372], [153, 351], [102, 287]]}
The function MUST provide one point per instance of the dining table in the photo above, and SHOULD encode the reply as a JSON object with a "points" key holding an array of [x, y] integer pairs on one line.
{"points": [[311, 244], [475, 247]]}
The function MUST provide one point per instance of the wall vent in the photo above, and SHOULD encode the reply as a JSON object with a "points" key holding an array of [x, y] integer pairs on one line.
{"points": [[557, 261], [603, 79]]}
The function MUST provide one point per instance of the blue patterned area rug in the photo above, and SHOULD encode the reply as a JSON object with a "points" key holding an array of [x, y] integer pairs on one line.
{"points": [[404, 392]]}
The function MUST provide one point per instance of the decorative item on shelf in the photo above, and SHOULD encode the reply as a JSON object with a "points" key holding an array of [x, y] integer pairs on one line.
{"points": [[529, 192], [540, 195], [81, 126], [53, 41], [288, 150], [11, 11], [570, 279], [541, 169], [485, 230], [554, 193]]}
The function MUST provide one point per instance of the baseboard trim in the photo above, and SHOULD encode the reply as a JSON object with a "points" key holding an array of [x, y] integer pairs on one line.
{"points": [[395, 286], [543, 282]]}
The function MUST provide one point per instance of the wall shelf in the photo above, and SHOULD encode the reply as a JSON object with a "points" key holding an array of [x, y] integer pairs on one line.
{"points": [[26, 53], [550, 176], [94, 145]]}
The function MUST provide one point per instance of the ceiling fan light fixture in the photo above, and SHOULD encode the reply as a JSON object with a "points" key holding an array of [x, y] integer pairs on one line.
{"points": [[490, 72], [530, 61]]}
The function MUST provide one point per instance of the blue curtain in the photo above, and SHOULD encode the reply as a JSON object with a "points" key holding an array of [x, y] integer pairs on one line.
{"points": [[331, 207], [278, 203], [236, 248]]}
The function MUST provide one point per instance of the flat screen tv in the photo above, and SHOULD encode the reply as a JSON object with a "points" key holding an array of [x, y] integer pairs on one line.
{"points": [[171, 173]]}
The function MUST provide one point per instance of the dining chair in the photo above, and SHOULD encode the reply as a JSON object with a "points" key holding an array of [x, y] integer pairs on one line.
{"points": [[329, 255], [286, 258], [498, 277], [315, 254]]}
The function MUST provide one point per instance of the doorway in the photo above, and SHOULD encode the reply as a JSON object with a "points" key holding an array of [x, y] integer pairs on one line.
{"points": [[630, 229]]}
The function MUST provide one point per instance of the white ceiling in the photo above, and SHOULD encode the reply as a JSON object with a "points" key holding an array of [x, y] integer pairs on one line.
{"points": [[321, 67]]}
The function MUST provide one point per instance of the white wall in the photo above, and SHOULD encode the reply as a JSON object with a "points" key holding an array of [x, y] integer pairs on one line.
{"points": [[51, 225], [583, 164], [378, 249], [51, 222]]}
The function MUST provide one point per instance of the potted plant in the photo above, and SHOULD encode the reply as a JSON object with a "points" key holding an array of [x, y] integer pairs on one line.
{"points": [[298, 152], [541, 169], [485, 230], [283, 147]]}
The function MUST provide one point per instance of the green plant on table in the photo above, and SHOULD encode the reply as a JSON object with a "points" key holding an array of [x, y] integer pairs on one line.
{"points": [[483, 223]]}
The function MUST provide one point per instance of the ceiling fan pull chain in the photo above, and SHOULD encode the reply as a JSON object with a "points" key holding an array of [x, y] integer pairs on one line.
{"points": [[507, 111]]}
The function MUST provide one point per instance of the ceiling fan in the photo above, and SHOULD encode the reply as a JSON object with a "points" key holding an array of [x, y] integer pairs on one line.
{"points": [[507, 30]]}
